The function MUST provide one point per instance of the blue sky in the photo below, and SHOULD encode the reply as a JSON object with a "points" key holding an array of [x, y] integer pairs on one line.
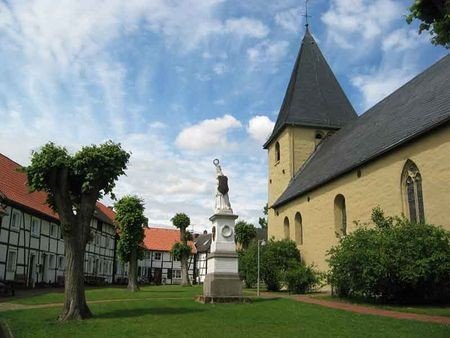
{"points": [[180, 82]]}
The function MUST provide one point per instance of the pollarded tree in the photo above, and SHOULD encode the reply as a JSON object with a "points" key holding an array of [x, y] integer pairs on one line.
{"points": [[73, 184], [131, 221], [245, 233], [182, 250]]}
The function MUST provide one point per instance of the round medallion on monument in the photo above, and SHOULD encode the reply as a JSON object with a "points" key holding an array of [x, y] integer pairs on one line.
{"points": [[227, 231]]}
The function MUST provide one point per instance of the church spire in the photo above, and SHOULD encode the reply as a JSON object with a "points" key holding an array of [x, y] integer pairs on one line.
{"points": [[314, 97]]}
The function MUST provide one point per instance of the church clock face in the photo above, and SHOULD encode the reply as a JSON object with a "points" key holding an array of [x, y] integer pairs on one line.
{"points": [[227, 231]]}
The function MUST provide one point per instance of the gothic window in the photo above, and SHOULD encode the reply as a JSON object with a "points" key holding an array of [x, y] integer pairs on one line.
{"points": [[412, 191], [298, 229], [286, 228], [277, 152], [340, 216]]}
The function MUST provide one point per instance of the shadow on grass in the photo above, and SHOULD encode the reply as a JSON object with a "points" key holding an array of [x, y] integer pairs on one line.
{"points": [[128, 313]]}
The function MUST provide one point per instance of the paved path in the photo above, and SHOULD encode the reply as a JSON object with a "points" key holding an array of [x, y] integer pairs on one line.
{"points": [[364, 309]]}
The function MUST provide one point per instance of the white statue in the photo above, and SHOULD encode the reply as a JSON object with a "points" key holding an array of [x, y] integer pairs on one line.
{"points": [[222, 199]]}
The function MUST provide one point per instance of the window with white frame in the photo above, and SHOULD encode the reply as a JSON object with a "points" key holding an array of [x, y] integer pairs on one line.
{"points": [[53, 230], [100, 267], [157, 256], [61, 262], [35, 226], [177, 274], [97, 239], [104, 241], [15, 221], [51, 261], [90, 266], [12, 259], [107, 242]]}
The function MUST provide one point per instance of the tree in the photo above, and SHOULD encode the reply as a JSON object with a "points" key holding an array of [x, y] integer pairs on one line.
{"points": [[182, 250], [73, 184], [263, 220], [131, 221], [245, 233], [435, 18]]}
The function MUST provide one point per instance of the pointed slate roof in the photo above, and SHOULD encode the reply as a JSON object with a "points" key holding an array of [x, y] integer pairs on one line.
{"points": [[314, 97], [419, 106]]}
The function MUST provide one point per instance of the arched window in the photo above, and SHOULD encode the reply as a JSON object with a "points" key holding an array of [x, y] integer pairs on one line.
{"points": [[286, 228], [277, 152], [412, 192], [298, 229], [340, 216]]}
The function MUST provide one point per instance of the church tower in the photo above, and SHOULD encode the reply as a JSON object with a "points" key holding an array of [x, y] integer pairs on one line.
{"points": [[314, 107]]}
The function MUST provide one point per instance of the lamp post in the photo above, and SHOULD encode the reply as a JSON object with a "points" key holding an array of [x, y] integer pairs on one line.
{"points": [[261, 242]]}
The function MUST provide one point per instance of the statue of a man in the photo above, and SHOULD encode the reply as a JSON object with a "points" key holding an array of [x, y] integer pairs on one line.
{"points": [[222, 199]]}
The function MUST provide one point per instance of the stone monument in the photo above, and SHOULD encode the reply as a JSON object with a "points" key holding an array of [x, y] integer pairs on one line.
{"points": [[222, 283]]}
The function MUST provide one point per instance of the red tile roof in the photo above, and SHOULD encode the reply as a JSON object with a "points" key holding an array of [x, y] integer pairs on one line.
{"points": [[159, 239], [14, 186]]}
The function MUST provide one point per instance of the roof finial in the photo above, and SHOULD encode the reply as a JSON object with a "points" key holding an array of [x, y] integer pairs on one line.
{"points": [[306, 15]]}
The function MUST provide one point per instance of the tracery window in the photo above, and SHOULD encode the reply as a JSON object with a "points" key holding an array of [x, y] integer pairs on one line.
{"points": [[412, 190]]}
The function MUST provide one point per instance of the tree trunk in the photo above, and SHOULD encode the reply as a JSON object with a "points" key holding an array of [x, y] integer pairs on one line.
{"points": [[184, 261], [75, 306], [184, 272], [132, 272]]}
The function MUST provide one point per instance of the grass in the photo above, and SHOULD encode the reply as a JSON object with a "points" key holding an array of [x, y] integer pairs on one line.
{"points": [[169, 311], [421, 309]]}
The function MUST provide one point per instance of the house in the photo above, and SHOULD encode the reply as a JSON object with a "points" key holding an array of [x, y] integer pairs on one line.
{"points": [[31, 242], [158, 265], [203, 245], [329, 167]]}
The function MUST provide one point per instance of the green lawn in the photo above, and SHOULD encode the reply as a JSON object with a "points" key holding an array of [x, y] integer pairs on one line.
{"points": [[169, 311], [421, 309]]}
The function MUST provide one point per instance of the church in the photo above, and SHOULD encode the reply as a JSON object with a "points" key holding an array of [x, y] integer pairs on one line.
{"points": [[329, 167]]}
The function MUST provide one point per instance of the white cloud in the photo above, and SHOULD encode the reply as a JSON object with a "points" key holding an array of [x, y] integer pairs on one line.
{"points": [[246, 27], [403, 39], [260, 127], [353, 24], [267, 52], [208, 134], [290, 20]]}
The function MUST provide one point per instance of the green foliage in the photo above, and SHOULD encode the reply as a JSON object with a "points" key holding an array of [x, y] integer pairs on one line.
{"points": [[380, 220], [435, 18], [181, 221], [263, 220], [248, 264], [276, 258], [130, 220], [399, 261], [93, 169], [244, 233], [180, 250], [303, 278]]}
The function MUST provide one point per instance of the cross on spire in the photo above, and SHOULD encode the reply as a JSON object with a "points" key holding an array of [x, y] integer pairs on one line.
{"points": [[306, 14]]}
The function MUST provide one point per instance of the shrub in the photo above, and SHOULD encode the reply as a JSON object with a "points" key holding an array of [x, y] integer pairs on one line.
{"points": [[302, 279], [395, 261], [248, 264], [277, 258]]}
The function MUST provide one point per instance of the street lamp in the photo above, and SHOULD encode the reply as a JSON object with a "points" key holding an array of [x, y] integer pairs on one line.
{"points": [[261, 242]]}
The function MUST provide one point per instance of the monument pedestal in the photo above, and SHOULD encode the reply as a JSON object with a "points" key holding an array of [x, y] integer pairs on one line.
{"points": [[222, 283]]}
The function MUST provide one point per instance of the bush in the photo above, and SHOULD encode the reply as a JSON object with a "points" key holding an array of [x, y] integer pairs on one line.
{"points": [[395, 261], [277, 258], [302, 279], [248, 265]]}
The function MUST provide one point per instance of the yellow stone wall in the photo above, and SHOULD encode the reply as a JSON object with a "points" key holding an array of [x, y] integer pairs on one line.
{"points": [[379, 184]]}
